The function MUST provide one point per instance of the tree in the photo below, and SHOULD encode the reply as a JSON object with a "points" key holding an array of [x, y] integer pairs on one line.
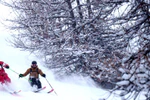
{"points": [[89, 37], [59, 29], [135, 68]]}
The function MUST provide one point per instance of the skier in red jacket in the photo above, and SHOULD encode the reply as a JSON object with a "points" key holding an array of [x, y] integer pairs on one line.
{"points": [[4, 79]]}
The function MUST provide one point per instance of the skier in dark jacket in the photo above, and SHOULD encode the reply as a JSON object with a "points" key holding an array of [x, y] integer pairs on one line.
{"points": [[34, 72]]}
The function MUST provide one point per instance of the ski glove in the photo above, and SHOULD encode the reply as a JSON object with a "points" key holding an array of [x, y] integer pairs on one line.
{"points": [[20, 75], [7, 67], [44, 75]]}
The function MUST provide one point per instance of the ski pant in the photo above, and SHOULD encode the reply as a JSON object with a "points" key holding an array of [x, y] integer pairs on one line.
{"points": [[4, 79], [35, 81]]}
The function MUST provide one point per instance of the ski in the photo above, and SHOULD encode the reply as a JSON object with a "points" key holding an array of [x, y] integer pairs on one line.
{"points": [[40, 89], [15, 92], [50, 91]]}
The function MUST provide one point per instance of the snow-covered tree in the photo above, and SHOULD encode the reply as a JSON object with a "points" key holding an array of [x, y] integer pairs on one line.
{"points": [[134, 25], [63, 29], [105, 39]]}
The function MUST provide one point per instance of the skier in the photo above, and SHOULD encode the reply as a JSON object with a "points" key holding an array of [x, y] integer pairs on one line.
{"points": [[34, 72], [4, 79]]}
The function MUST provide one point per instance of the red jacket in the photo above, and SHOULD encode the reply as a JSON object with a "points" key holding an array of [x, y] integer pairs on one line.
{"points": [[3, 75]]}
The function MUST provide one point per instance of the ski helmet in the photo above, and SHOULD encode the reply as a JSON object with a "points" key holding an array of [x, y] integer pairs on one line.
{"points": [[34, 62]]}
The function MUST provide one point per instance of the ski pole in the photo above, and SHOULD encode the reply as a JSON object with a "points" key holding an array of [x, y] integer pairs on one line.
{"points": [[14, 71], [18, 74], [50, 86]]}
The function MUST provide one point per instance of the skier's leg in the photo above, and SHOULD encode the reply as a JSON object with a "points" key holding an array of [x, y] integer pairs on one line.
{"points": [[7, 86], [39, 85], [2, 79], [6, 78], [33, 83], [30, 81]]}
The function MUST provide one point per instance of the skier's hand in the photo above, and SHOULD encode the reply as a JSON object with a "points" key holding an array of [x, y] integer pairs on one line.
{"points": [[7, 67], [20, 75], [44, 75]]}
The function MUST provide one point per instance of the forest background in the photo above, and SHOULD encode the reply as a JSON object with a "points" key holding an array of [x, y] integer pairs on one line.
{"points": [[107, 40]]}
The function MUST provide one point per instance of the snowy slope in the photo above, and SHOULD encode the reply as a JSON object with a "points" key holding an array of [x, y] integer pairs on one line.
{"points": [[19, 61], [75, 88]]}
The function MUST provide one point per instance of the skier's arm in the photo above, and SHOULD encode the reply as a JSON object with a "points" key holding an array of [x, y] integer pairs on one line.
{"points": [[6, 66], [41, 73], [25, 74]]}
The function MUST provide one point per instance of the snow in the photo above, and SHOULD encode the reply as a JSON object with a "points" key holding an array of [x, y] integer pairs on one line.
{"points": [[126, 76], [125, 82], [75, 88], [70, 89]]}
